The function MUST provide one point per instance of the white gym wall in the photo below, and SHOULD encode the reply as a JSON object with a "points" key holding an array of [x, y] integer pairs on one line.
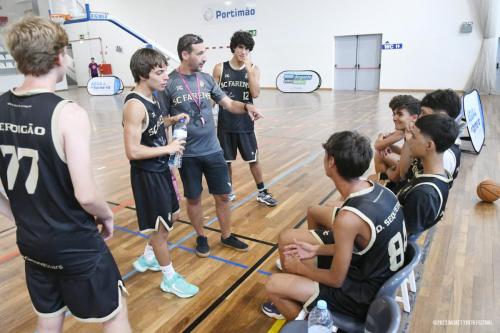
{"points": [[293, 36]]}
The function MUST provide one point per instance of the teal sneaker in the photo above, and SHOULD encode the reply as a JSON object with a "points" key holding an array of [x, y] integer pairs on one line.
{"points": [[142, 264], [179, 286]]}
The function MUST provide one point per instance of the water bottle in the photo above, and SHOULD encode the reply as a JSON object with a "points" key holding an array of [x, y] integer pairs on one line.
{"points": [[180, 133], [320, 319]]}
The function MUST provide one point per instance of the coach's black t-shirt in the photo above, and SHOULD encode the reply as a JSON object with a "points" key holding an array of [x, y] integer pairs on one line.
{"points": [[424, 201], [153, 133], [234, 82], [53, 230]]}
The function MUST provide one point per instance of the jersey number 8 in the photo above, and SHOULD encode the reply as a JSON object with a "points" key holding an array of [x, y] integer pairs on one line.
{"points": [[396, 249]]}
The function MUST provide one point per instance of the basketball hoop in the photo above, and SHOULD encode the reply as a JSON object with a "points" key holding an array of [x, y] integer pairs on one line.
{"points": [[59, 18]]}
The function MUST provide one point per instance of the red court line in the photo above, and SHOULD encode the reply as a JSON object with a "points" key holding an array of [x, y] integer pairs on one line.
{"points": [[122, 205], [8, 256]]}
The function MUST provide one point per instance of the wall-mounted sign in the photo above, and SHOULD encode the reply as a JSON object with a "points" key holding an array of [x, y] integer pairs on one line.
{"points": [[229, 11], [389, 46], [474, 117], [104, 86], [298, 81]]}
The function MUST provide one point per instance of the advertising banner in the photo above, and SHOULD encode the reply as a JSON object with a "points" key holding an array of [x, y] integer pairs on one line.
{"points": [[105, 86], [474, 117], [298, 81]]}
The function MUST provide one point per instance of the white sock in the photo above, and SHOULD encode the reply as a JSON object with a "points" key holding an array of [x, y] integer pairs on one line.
{"points": [[168, 271], [149, 254]]}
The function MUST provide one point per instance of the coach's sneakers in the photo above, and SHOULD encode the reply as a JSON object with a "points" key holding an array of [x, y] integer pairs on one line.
{"points": [[231, 196], [267, 198], [234, 243], [177, 285], [142, 264], [271, 311], [202, 249]]}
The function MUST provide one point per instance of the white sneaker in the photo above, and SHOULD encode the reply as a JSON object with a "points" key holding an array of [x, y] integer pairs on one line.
{"points": [[231, 196]]}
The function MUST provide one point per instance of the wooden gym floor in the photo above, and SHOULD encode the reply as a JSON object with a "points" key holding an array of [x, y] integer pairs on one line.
{"points": [[459, 280]]}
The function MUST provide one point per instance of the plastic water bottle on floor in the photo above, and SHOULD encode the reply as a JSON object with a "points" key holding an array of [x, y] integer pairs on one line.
{"points": [[180, 133], [320, 319]]}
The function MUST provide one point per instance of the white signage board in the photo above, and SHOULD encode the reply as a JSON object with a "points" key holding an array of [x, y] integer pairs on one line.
{"points": [[474, 117], [104, 86], [298, 81]]}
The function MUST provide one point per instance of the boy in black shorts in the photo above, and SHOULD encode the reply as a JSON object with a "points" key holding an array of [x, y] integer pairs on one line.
{"points": [[239, 79], [147, 149], [46, 171]]}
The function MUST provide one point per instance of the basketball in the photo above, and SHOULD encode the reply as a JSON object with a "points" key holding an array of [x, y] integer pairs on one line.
{"points": [[488, 190]]}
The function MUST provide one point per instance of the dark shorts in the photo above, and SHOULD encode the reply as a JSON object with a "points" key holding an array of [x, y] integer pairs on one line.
{"points": [[155, 198], [336, 299], [324, 237], [94, 297], [214, 168], [246, 143]]}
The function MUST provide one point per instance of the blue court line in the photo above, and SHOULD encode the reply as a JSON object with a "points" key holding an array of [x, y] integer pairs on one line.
{"points": [[124, 229], [215, 257], [182, 247], [266, 273], [249, 197]]}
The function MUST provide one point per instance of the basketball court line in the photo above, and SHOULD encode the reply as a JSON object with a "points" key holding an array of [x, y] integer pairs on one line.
{"points": [[9, 256], [7, 229], [122, 205], [249, 197], [229, 291], [255, 240], [278, 324], [185, 248], [244, 277]]}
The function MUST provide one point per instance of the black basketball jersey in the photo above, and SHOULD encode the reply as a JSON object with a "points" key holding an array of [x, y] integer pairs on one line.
{"points": [[234, 82], [153, 134], [453, 153], [424, 201], [53, 230], [372, 266]]}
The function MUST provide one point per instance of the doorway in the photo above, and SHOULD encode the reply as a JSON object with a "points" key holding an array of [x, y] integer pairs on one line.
{"points": [[357, 62]]}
